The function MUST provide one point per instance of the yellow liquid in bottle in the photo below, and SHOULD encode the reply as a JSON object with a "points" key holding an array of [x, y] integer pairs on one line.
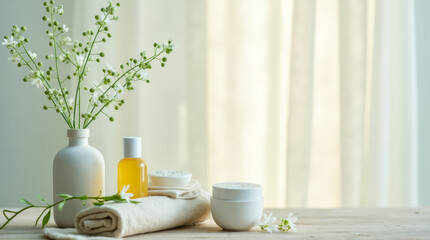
{"points": [[133, 172]]}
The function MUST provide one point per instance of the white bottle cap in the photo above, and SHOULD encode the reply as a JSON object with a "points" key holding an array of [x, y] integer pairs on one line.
{"points": [[132, 147]]}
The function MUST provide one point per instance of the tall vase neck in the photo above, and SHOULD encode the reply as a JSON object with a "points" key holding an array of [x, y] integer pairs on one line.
{"points": [[78, 136]]}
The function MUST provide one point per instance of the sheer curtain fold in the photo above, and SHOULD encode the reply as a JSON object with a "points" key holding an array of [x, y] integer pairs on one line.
{"points": [[300, 103], [352, 79], [390, 162], [351, 107], [315, 100]]}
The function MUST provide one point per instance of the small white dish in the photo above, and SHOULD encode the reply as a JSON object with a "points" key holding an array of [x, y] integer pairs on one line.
{"points": [[237, 191], [236, 215], [170, 178]]}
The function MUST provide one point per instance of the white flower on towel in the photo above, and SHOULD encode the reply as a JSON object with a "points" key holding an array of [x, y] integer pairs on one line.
{"points": [[124, 195]]}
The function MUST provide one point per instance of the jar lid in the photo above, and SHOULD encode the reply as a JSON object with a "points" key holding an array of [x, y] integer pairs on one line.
{"points": [[170, 178], [237, 191]]}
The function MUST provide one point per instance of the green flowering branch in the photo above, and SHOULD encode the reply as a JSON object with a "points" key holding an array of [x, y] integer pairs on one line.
{"points": [[103, 94], [120, 197]]}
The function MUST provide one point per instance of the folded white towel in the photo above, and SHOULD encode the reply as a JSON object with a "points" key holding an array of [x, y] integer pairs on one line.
{"points": [[154, 213], [193, 190], [70, 234]]}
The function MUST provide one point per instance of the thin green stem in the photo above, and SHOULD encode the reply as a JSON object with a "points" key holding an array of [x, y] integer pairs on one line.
{"points": [[48, 206], [129, 70], [78, 89], [56, 62], [11, 218], [48, 86], [65, 54]]}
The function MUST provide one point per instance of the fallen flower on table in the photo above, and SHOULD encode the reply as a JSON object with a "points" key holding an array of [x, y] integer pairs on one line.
{"points": [[267, 223], [285, 225]]}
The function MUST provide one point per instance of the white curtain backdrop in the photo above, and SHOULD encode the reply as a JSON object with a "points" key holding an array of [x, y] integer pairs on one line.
{"points": [[314, 99]]}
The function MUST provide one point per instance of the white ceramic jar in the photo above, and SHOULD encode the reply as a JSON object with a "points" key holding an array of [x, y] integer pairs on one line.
{"points": [[78, 170], [237, 206]]}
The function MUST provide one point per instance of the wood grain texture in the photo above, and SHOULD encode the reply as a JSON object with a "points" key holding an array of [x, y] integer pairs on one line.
{"points": [[358, 223]]}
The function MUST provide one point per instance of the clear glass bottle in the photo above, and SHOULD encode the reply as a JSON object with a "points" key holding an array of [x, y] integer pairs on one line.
{"points": [[132, 170]]}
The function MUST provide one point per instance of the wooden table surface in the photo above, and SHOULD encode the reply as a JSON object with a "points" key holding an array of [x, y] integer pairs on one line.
{"points": [[352, 223]]}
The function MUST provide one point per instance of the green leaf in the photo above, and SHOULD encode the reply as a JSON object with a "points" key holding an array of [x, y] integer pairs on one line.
{"points": [[64, 195], [61, 205], [120, 200], [98, 203], [135, 202], [83, 198], [25, 201], [41, 198], [46, 218]]}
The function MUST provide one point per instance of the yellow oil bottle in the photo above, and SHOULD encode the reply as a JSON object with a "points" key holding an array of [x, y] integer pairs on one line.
{"points": [[132, 170]]}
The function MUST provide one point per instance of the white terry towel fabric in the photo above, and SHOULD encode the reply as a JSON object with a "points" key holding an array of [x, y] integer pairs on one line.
{"points": [[154, 213], [70, 234], [189, 192]]}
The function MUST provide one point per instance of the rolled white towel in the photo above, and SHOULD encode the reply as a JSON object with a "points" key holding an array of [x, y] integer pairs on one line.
{"points": [[191, 191], [154, 213]]}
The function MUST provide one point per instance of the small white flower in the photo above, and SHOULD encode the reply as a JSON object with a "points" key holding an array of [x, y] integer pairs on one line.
{"points": [[35, 77], [37, 82], [267, 223], [169, 46], [109, 67], [32, 54], [70, 101], [145, 75], [9, 42], [267, 219], [16, 29], [106, 20], [65, 28], [61, 58], [14, 59], [60, 9], [292, 221], [272, 228], [124, 195], [66, 41], [94, 97], [79, 60], [50, 34], [119, 90]]}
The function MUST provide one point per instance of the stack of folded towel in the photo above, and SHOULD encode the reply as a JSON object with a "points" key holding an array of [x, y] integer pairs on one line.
{"points": [[165, 208], [193, 190]]}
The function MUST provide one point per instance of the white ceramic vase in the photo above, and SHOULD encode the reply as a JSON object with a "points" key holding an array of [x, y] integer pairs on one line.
{"points": [[79, 170]]}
